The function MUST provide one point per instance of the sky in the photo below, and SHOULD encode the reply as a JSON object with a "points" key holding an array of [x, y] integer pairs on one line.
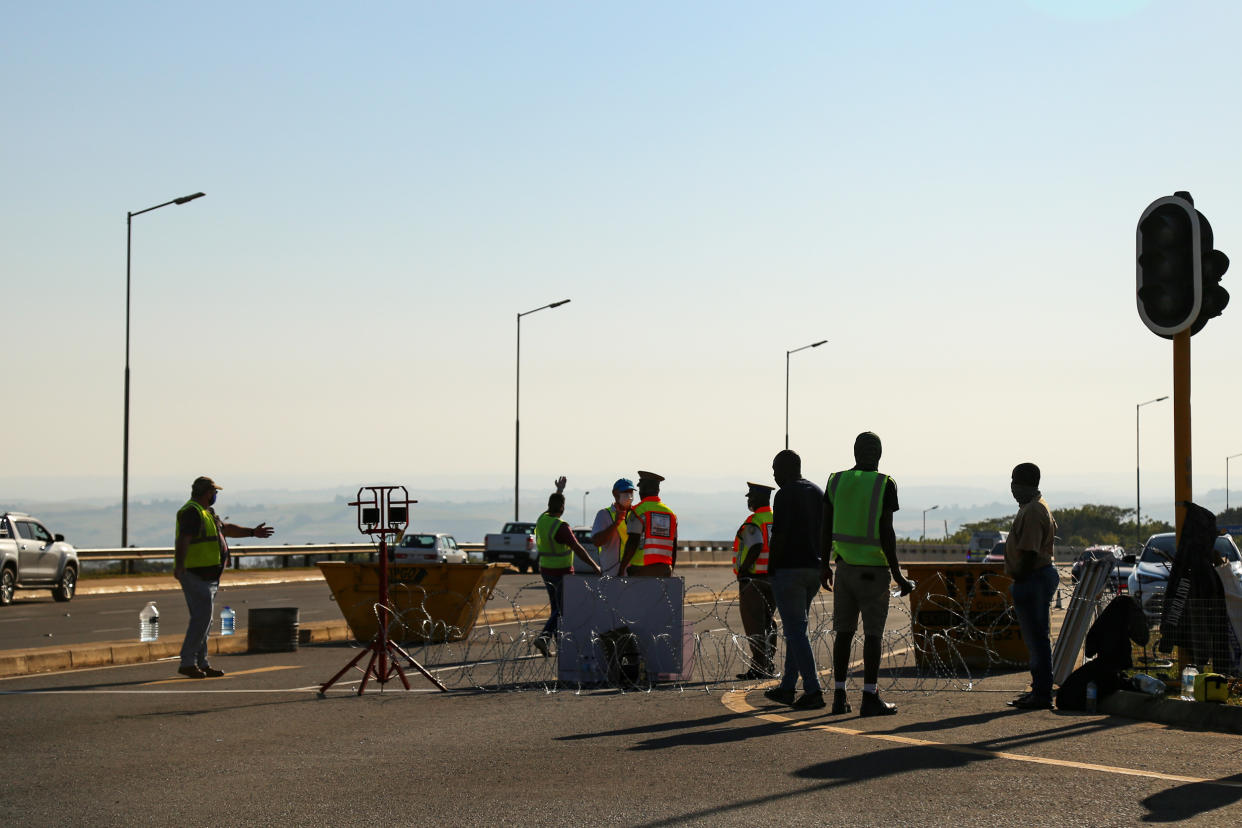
{"points": [[945, 192]]}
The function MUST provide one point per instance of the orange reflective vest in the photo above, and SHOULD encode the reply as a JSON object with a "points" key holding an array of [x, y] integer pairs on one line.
{"points": [[761, 517], [659, 532]]}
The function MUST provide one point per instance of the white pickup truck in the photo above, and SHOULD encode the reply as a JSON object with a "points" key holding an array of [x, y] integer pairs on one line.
{"points": [[32, 558], [514, 544]]}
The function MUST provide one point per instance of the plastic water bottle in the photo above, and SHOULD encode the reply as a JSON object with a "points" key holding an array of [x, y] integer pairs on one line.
{"points": [[1093, 696], [149, 622], [1188, 682], [1150, 685], [228, 619]]}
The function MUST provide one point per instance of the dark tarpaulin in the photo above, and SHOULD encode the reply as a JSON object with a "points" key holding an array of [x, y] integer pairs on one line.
{"points": [[1193, 616]]}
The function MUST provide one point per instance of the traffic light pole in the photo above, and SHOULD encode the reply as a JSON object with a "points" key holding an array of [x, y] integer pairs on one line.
{"points": [[1181, 427]]}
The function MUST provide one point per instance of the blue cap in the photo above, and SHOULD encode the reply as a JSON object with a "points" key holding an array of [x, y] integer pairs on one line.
{"points": [[623, 485]]}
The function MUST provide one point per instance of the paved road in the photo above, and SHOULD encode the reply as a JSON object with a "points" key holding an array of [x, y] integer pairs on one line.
{"points": [[37, 621], [138, 745]]}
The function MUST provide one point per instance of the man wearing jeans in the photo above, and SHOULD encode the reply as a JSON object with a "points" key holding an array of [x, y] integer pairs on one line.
{"points": [[200, 554], [793, 566], [1028, 560]]}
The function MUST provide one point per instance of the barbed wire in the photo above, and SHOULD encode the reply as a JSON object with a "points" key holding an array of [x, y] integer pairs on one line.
{"points": [[952, 638]]}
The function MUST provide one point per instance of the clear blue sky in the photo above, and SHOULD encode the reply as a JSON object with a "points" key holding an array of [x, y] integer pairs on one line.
{"points": [[946, 192]]}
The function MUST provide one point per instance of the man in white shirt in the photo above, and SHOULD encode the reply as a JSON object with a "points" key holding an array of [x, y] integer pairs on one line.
{"points": [[609, 533]]}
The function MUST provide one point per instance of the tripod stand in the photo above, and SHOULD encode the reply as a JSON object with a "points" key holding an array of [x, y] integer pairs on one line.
{"points": [[383, 516]]}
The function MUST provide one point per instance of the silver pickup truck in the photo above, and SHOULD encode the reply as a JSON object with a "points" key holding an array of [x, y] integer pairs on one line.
{"points": [[32, 558], [514, 544]]}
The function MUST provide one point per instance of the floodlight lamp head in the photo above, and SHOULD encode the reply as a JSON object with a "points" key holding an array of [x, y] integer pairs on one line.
{"points": [[184, 199]]}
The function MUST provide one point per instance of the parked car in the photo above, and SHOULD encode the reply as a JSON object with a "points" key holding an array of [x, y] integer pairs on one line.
{"points": [[515, 544], [427, 547], [1150, 576], [583, 535], [1121, 565], [31, 557], [997, 555]]}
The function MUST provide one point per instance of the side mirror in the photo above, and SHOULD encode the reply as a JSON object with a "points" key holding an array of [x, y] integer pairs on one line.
{"points": [[59, 538]]}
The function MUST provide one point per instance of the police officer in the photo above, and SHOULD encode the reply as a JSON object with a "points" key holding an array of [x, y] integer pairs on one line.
{"points": [[754, 592], [858, 523], [651, 527]]}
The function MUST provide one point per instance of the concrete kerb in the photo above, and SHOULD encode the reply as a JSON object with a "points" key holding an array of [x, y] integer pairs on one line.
{"points": [[1224, 718]]}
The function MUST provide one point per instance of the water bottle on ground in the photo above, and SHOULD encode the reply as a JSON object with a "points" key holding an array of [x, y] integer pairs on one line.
{"points": [[228, 619], [1188, 682], [1093, 696], [1150, 685], [149, 622]]}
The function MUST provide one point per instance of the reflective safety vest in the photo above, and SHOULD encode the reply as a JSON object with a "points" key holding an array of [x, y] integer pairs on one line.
{"points": [[552, 554], [204, 550], [857, 497], [659, 533], [761, 517], [623, 531]]}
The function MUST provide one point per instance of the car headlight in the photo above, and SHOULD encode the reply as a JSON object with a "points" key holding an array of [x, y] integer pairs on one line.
{"points": [[1151, 579]]}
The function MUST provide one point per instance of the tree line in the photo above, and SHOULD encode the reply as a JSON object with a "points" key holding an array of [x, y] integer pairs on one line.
{"points": [[1087, 525]]}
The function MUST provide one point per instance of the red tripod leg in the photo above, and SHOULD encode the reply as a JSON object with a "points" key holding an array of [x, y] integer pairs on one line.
{"points": [[343, 671]]}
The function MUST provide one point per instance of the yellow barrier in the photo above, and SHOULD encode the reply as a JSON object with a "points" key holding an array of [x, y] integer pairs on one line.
{"points": [[962, 611], [434, 602]]}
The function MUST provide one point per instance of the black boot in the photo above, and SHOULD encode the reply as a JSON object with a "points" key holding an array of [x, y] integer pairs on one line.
{"points": [[872, 706], [839, 703]]}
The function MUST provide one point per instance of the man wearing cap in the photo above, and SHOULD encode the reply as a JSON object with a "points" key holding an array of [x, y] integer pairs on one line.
{"points": [[200, 553], [754, 594], [1028, 560], [858, 528], [651, 529], [608, 533]]}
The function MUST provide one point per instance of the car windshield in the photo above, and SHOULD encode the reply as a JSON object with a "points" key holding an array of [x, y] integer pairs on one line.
{"points": [[419, 541], [1160, 546]]}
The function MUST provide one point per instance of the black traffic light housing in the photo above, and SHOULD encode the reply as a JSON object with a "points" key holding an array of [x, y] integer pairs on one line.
{"points": [[1178, 275]]}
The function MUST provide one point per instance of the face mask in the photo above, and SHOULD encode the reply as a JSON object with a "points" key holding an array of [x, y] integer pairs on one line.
{"points": [[627, 498]]}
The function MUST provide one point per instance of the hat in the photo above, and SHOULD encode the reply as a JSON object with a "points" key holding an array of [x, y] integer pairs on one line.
{"points": [[623, 485], [646, 475], [759, 489], [203, 484]]}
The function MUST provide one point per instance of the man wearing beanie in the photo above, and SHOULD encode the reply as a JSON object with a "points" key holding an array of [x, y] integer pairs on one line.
{"points": [[1028, 560], [858, 528]]}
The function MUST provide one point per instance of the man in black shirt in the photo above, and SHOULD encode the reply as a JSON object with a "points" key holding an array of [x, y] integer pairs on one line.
{"points": [[793, 565]]}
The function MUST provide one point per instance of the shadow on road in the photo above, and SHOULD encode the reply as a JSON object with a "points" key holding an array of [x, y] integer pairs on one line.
{"points": [[1192, 799]]}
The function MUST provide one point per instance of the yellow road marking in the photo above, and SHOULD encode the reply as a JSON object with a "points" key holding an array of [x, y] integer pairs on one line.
{"points": [[735, 700], [180, 679]]}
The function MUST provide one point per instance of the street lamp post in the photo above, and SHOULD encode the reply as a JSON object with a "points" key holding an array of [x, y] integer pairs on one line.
{"points": [[925, 511], [1227, 459], [1138, 500], [584, 497], [787, 353], [517, 419], [129, 235]]}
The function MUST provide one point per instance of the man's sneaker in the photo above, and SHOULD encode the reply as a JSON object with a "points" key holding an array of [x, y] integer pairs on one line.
{"points": [[779, 695], [1031, 701], [749, 675], [872, 706], [840, 704], [541, 644], [211, 672], [810, 701], [191, 672]]}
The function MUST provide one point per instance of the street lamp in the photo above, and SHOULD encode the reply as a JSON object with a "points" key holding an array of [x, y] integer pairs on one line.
{"points": [[584, 497], [517, 425], [787, 353], [1138, 501], [1227, 459], [925, 511], [129, 235]]}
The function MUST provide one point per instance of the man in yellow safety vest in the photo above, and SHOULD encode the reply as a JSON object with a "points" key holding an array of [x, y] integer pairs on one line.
{"points": [[651, 545], [858, 527], [754, 592], [200, 553], [557, 547]]}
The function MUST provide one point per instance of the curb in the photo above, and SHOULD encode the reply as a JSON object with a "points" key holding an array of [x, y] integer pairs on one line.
{"points": [[1223, 718]]}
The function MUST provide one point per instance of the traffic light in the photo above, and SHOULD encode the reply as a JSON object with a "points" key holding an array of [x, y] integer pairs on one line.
{"points": [[1178, 270]]}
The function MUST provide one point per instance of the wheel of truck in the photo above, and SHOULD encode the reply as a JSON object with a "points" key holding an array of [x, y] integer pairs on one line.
{"points": [[522, 568], [68, 585], [8, 583]]}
